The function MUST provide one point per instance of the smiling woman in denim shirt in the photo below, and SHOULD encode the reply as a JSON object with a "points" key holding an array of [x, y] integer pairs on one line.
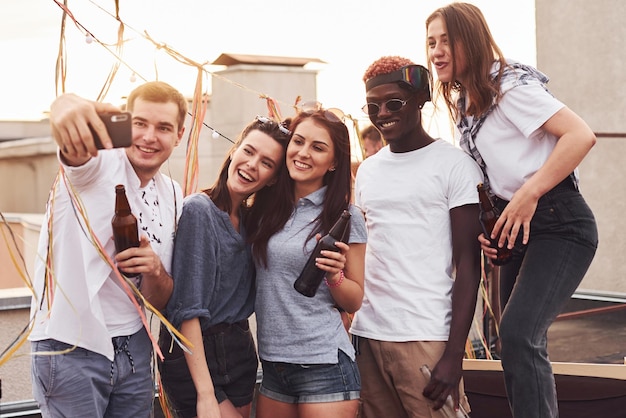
{"points": [[213, 275]]}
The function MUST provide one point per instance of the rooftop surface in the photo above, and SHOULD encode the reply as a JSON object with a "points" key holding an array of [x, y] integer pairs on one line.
{"points": [[589, 332]]}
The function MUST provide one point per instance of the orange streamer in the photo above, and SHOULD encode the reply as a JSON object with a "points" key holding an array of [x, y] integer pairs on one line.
{"points": [[198, 112]]}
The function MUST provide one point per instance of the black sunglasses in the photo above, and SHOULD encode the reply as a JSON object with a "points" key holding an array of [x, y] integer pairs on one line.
{"points": [[392, 105]]}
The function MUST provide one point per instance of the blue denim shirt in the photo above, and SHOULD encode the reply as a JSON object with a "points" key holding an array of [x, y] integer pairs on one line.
{"points": [[212, 267]]}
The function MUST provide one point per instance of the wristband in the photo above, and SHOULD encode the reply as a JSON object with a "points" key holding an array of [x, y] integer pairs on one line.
{"points": [[338, 282]]}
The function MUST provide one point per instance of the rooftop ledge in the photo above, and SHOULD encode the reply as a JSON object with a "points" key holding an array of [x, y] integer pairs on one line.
{"points": [[16, 298]]}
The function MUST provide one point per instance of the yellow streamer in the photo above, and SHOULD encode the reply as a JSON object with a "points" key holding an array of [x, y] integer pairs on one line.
{"points": [[199, 107], [21, 269]]}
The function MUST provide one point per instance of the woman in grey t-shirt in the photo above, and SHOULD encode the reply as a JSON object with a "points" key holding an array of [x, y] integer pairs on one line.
{"points": [[308, 361]]}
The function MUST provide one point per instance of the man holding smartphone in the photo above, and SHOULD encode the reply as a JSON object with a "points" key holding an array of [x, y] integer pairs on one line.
{"points": [[92, 353]]}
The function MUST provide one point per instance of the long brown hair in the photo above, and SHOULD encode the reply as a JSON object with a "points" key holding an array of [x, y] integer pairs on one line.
{"points": [[467, 29], [280, 205], [218, 192]]}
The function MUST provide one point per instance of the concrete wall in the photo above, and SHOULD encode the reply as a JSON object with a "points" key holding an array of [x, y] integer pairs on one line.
{"points": [[580, 46], [603, 178], [27, 170]]}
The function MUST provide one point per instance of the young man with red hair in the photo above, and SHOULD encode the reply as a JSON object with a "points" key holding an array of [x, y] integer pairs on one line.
{"points": [[422, 263]]}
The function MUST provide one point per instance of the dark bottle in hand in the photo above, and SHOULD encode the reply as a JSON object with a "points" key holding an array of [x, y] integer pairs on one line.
{"points": [[489, 214], [124, 224], [311, 277]]}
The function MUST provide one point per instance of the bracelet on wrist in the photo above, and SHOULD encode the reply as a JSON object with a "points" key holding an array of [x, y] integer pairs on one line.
{"points": [[338, 282]]}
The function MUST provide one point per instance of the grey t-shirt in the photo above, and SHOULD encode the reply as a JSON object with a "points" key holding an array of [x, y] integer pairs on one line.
{"points": [[293, 328]]}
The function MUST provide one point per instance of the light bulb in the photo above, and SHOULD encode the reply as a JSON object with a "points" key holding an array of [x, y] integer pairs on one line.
{"points": [[215, 134], [133, 78], [89, 38]]}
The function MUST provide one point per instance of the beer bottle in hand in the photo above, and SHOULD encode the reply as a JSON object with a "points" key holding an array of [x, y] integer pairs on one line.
{"points": [[489, 214], [311, 277], [124, 224]]}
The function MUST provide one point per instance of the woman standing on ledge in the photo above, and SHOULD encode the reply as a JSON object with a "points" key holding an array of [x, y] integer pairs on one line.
{"points": [[529, 145]]}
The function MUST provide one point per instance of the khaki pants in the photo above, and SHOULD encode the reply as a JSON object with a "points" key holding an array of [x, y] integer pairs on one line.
{"points": [[391, 380]]}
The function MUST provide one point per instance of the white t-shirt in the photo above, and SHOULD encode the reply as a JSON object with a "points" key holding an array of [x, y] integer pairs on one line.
{"points": [[89, 307], [407, 198], [510, 141]]}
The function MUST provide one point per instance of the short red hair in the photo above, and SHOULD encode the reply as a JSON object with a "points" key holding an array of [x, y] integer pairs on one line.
{"points": [[386, 65]]}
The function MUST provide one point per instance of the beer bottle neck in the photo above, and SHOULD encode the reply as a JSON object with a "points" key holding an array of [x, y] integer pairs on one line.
{"points": [[484, 199], [122, 207], [339, 228]]}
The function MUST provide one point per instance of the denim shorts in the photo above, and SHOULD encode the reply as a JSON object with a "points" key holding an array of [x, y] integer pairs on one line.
{"points": [[311, 383], [231, 356]]}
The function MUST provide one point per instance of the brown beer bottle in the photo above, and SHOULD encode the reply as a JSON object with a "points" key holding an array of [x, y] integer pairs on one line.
{"points": [[489, 214], [311, 277], [124, 224]]}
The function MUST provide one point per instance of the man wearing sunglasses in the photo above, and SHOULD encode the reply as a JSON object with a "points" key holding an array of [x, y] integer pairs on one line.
{"points": [[422, 263]]}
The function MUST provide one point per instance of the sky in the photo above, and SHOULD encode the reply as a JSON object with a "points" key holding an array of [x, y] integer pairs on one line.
{"points": [[346, 34]]}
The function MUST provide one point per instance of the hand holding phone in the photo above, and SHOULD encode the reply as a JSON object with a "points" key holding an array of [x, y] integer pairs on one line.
{"points": [[119, 127]]}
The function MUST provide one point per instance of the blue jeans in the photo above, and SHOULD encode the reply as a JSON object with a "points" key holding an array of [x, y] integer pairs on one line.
{"points": [[82, 383], [311, 383], [535, 285]]}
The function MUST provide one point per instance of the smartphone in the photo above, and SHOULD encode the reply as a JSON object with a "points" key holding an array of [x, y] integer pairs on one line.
{"points": [[119, 127]]}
